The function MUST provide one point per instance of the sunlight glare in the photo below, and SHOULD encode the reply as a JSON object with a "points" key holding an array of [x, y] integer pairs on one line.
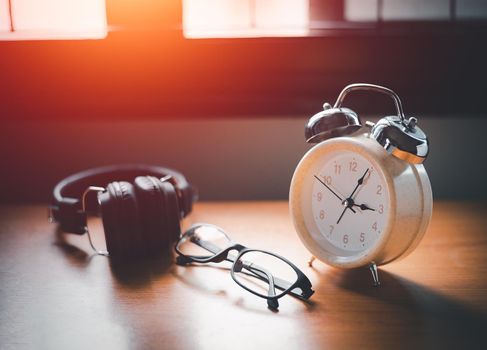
{"points": [[53, 19]]}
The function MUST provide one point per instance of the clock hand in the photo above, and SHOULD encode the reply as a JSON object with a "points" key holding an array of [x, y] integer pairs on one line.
{"points": [[341, 215], [349, 201], [359, 182], [363, 207], [324, 184], [336, 195]]}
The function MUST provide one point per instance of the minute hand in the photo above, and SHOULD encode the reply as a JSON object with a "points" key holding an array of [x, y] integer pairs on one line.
{"points": [[359, 182], [324, 184], [349, 201]]}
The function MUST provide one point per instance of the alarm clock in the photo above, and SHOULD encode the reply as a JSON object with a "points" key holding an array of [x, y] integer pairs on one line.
{"points": [[361, 196]]}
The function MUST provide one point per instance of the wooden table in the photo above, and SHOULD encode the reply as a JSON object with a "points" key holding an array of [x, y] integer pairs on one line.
{"points": [[54, 294]]}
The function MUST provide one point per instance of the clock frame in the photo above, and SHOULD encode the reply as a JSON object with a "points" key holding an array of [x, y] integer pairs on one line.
{"points": [[410, 203]]}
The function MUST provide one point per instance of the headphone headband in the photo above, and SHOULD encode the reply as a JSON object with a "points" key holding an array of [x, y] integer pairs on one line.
{"points": [[66, 206]]}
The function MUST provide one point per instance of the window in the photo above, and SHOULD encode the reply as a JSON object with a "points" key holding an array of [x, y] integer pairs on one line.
{"points": [[271, 18], [245, 18], [471, 9], [52, 19], [414, 10]]}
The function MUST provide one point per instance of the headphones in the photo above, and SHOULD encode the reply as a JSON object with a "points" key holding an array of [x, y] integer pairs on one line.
{"points": [[141, 207]]}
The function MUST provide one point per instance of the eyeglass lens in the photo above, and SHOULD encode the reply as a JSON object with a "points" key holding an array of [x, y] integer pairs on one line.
{"points": [[255, 269], [203, 241]]}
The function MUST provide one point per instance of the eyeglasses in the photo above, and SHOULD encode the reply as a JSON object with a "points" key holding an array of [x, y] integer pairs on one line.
{"points": [[260, 272]]}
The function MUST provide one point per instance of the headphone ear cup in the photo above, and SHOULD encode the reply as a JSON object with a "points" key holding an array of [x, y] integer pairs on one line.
{"points": [[151, 213], [119, 213], [159, 213], [173, 213]]}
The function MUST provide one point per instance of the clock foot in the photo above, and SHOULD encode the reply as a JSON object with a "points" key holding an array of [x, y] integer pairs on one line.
{"points": [[375, 274], [310, 261]]}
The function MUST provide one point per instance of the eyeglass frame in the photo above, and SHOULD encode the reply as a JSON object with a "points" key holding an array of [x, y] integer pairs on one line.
{"points": [[302, 282]]}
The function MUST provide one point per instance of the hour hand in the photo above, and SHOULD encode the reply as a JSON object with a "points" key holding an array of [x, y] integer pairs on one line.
{"points": [[363, 207]]}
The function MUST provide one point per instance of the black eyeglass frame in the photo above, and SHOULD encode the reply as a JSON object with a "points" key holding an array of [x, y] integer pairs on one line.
{"points": [[301, 288]]}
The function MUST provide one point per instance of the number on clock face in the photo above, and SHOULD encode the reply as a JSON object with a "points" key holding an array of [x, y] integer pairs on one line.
{"points": [[349, 201]]}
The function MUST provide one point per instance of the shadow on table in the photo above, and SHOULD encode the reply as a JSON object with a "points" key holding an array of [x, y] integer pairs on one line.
{"points": [[435, 318], [139, 273], [75, 256], [131, 274]]}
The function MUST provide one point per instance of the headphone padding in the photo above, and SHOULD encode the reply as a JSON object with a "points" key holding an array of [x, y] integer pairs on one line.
{"points": [[151, 213], [173, 214], [108, 213], [120, 220]]}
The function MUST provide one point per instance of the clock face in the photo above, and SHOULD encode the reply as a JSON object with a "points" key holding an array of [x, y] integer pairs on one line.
{"points": [[347, 202]]}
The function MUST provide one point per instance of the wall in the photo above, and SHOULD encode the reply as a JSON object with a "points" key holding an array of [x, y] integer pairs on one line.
{"points": [[233, 159]]}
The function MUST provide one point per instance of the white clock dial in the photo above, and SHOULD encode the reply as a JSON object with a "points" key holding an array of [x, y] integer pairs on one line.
{"points": [[391, 201], [349, 201]]}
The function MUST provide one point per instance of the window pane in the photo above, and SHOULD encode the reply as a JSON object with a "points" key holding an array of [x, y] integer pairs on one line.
{"points": [[413, 10], [54, 19], [471, 9], [245, 18], [208, 18], [282, 15], [361, 10]]}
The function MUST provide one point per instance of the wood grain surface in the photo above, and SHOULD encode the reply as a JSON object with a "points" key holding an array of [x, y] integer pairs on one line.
{"points": [[54, 294]]}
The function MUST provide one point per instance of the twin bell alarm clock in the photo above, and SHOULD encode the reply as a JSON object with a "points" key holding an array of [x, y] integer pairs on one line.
{"points": [[361, 196]]}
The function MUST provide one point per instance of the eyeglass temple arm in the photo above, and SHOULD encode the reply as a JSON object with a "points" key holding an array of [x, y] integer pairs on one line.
{"points": [[272, 303], [278, 282], [212, 248]]}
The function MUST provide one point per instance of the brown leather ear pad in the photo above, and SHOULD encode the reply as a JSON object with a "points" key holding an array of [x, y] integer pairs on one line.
{"points": [[158, 212], [118, 207]]}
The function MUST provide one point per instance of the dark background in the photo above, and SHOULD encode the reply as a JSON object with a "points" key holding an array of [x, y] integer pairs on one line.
{"points": [[230, 112]]}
